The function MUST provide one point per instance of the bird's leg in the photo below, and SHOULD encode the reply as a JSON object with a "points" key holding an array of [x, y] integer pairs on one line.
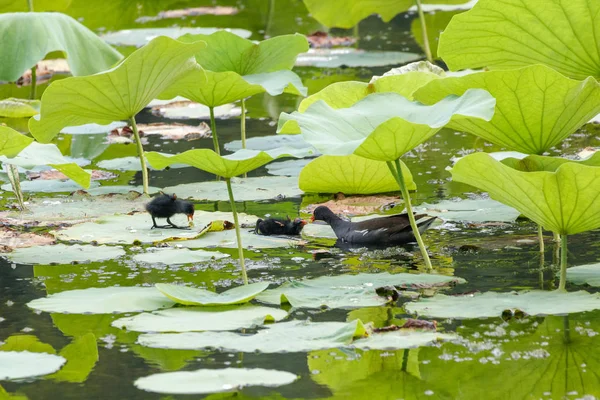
{"points": [[175, 226], [154, 223]]}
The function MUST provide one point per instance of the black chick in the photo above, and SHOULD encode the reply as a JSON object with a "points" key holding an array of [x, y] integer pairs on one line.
{"points": [[165, 206], [279, 226]]}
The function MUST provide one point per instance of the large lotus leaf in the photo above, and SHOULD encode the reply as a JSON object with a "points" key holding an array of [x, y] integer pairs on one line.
{"points": [[118, 94], [492, 304], [293, 336], [351, 175], [19, 108], [213, 380], [535, 163], [12, 142], [48, 154], [23, 364], [102, 301], [346, 94], [245, 189], [82, 356], [565, 201], [189, 319], [349, 291], [234, 68], [64, 254], [585, 275], [384, 126], [127, 229], [28, 37], [536, 107], [513, 33], [171, 256], [228, 166], [347, 13], [471, 210], [202, 297]]}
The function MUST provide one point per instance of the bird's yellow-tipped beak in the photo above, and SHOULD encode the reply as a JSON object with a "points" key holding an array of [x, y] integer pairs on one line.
{"points": [[190, 217]]}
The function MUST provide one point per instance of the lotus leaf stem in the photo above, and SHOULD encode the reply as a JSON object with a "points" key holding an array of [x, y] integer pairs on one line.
{"points": [[556, 237], [356, 34], [30, 5], [426, 46], [33, 88], [243, 123], [563, 263], [541, 238], [141, 154], [238, 233], [397, 173], [13, 177], [213, 128]]}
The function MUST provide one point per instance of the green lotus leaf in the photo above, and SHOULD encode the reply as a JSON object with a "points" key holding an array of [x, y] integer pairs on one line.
{"points": [[585, 274], [202, 297], [23, 364], [233, 68], [28, 37], [171, 256], [490, 304], [509, 33], [384, 126], [81, 356], [12, 142], [213, 380], [535, 163], [64, 254], [350, 175], [536, 107], [348, 291], [404, 81], [564, 201], [190, 319], [347, 13], [228, 166], [115, 94], [48, 154], [19, 108], [102, 301], [292, 336]]}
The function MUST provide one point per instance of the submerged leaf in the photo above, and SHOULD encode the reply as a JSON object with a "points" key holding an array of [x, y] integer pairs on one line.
{"points": [[113, 95], [351, 175], [64, 254], [171, 256], [102, 301], [565, 201], [492, 304], [28, 37], [585, 275], [82, 356], [505, 34], [213, 380], [384, 126], [190, 319], [536, 107], [201, 297]]}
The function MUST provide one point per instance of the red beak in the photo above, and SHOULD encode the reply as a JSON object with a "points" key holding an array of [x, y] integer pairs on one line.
{"points": [[312, 218], [190, 217]]}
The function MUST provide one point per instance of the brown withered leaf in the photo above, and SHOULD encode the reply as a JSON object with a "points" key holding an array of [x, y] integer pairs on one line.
{"points": [[97, 175], [45, 70], [356, 205], [322, 40], [14, 239], [189, 12]]}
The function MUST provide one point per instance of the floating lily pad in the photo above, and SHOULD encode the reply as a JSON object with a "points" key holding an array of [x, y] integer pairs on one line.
{"points": [[189, 319], [293, 336], [492, 304], [120, 189], [139, 37], [102, 301], [15, 239], [23, 364], [201, 297], [401, 339], [246, 189], [334, 58], [178, 256], [52, 186], [213, 380], [192, 110], [349, 291], [318, 231], [64, 254], [128, 164], [471, 210], [287, 167], [92, 129], [585, 274], [272, 142], [126, 229]]}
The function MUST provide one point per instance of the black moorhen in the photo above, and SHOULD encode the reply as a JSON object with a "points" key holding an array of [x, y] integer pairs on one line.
{"points": [[279, 226], [392, 230], [165, 206]]}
